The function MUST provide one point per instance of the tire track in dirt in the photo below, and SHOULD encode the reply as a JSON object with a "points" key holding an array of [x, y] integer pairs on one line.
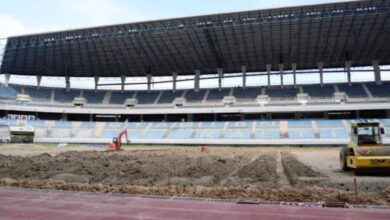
{"points": [[283, 180]]}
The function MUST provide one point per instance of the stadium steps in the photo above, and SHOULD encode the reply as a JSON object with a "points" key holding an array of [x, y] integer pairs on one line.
{"points": [[158, 97], [369, 94], [283, 128], [315, 128], [107, 97], [336, 88], [206, 95]]}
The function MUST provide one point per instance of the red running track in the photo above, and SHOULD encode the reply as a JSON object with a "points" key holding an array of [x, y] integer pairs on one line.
{"points": [[16, 203]]}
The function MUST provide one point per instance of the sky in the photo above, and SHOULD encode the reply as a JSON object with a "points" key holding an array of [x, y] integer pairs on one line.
{"points": [[18, 17]]}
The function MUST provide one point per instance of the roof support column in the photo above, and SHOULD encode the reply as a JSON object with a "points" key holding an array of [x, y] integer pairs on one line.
{"points": [[39, 79], [348, 65], [7, 77], [123, 80], [268, 66], [67, 83], [281, 68], [243, 69], [220, 76], [149, 81], [174, 78], [96, 78], [321, 70], [294, 69], [196, 80], [377, 72]]}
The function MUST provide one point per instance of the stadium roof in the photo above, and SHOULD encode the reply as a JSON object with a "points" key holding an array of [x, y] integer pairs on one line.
{"points": [[328, 33]]}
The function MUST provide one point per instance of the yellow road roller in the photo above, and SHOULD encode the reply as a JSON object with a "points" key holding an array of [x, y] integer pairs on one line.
{"points": [[366, 153]]}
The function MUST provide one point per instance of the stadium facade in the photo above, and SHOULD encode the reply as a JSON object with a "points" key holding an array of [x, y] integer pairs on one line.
{"points": [[316, 39]]}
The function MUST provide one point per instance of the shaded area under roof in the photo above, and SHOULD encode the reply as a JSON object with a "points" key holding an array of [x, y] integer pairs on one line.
{"points": [[329, 33]]}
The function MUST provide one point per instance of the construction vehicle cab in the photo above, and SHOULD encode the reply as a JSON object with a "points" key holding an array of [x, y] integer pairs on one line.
{"points": [[116, 143], [366, 150]]}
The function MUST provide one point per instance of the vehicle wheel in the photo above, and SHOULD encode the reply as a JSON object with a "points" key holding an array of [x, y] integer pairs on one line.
{"points": [[343, 159]]}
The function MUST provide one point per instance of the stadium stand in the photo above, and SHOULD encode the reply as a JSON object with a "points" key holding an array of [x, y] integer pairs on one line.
{"points": [[353, 91], [195, 96], [145, 97], [119, 97], [8, 92], [249, 93], [63, 96], [382, 90], [217, 95], [169, 96], [94, 97], [327, 91], [282, 93], [41, 94]]}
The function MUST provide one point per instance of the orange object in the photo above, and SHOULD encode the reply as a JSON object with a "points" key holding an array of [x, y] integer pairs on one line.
{"points": [[203, 149]]}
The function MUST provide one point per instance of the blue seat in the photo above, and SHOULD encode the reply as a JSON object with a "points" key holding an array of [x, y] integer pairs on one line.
{"points": [[145, 97], [240, 124], [61, 95], [213, 124], [186, 124], [246, 93], [217, 95], [43, 94], [354, 91], [282, 93], [9, 92], [267, 124], [341, 133], [109, 134], [193, 96], [94, 97], [63, 124], [237, 133], [9, 122], [88, 124], [301, 134], [326, 133], [36, 123], [329, 123], [299, 123], [385, 122], [207, 134], [154, 134], [134, 134], [162, 125], [137, 125], [169, 96], [114, 125], [271, 134], [326, 91], [180, 134], [382, 90], [118, 97]]}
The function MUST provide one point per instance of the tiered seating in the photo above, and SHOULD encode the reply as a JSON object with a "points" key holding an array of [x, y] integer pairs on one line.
{"points": [[8, 92], [63, 96], [268, 133], [353, 91], [94, 97], [247, 93], [193, 96], [316, 91], [169, 96], [207, 134], [282, 93], [118, 97], [382, 90], [217, 95], [43, 94], [154, 134], [145, 97], [237, 133], [180, 134]]}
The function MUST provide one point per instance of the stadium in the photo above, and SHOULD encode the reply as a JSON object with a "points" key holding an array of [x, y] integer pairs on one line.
{"points": [[243, 108]]}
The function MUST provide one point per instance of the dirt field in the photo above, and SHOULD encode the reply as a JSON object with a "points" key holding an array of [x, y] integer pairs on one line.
{"points": [[269, 173]]}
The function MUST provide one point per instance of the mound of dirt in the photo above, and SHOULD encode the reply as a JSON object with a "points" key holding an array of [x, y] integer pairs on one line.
{"points": [[71, 178], [303, 194], [298, 172]]}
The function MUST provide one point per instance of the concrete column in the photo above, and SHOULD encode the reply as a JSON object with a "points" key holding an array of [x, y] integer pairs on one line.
{"points": [[123, 80], [243, 69], [294, 69], [377, 72], [7, 78], [174, 78], [196, 80], [348, 65], [39, 79], [281, 68], [321, 68], [268, 66], [96, 78], [67, 83], [220, 76], [149, 81]]}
